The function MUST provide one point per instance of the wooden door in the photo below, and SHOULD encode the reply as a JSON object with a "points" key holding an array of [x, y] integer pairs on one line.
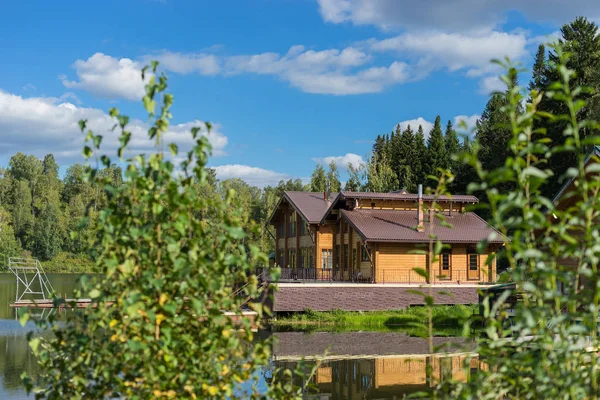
{"points": [[445, 265], [473, 266]]}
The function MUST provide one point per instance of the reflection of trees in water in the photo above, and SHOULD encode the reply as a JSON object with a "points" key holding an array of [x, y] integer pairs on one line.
{"points": [[16, 358]]}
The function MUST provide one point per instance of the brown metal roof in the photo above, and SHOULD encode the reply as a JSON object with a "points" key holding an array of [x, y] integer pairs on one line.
{"points": [[399, 227], [310, 205], [458, 198]]}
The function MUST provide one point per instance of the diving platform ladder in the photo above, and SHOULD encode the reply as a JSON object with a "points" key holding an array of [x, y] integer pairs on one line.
{"points": [[31, 279]]}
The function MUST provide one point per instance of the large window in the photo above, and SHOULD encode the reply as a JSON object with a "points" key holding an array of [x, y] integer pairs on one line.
{"points": [[473, 262], [345, 257], [364, 254], [292, 258], [326, 258], [282, 229], [306, 257], [302, 228], [293, 224]]}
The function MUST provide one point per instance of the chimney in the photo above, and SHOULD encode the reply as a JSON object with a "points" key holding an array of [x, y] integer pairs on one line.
{"points": [[420, 225]]}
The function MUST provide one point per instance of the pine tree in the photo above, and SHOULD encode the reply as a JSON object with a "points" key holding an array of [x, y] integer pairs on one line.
{"points": [[406, 156], [436, 150], [539, 74], [452, 146], [493, 133], [420, 159], [333, 178], [318, 180]]}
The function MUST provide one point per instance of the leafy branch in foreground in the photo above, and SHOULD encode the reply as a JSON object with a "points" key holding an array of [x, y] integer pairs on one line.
{"points": [[548, 350], [157, 328]]}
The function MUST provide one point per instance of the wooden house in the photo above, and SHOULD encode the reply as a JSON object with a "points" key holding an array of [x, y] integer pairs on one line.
{"points": [[380, 238]]}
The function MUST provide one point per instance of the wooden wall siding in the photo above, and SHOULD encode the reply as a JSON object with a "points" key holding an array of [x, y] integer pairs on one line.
{"points": [[306, 241], [403, 205], [400, 371], [395, 263]]}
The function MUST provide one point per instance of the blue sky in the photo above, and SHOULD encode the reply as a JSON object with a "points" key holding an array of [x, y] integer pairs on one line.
{"points": [[288, 83]]}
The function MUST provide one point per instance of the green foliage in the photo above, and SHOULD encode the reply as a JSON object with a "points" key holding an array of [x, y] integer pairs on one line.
{"points": [[380, 175], [549, 348], [333, 178], [158, 329], [318, 179], [436, 149]]}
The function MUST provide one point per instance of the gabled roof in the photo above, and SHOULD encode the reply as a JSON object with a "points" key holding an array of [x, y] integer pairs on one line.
{"points": [[594, 153], [403, 195], [399, 227], [310, 205]]}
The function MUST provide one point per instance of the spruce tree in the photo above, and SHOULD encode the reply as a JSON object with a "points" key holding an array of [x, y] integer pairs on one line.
{"points": [[318, 180], [420, 157], [436, 150], [406, 150], [539, 74], [493, 133], [452, 145]]}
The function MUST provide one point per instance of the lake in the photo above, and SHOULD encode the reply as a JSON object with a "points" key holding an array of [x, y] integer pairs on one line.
{"points": [[365, 365]]}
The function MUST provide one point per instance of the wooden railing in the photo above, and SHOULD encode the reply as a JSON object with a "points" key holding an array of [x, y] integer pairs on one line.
{"points": [[399, 275]]}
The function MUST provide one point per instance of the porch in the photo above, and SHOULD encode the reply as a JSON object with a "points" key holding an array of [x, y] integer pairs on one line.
{"points": [[383, 276]]}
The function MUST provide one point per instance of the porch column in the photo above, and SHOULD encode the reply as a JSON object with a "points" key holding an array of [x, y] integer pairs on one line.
{"points": [[298, 219]]}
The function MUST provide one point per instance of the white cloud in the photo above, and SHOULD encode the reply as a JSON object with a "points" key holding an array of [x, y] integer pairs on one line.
{"points": [[491, 84], [41, 125], [456, 51], [342, 161], [331, 71], [108, 77], [470, 121], [252, 175], [456, 15], [203, 64], [414, 124], [29, 87]]}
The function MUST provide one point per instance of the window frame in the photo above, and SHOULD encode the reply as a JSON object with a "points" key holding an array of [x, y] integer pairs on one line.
{"points": [[327, 255], [445, 274], [364, 255], [292, 224]]}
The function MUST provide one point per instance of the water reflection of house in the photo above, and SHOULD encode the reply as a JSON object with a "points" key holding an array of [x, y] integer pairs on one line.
{"points": [[378, 239], [387, 377]]}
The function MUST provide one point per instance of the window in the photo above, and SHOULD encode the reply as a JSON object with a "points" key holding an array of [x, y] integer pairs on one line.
{"points": [[326, 260], [302, 228], [292, 258], [293, 224], [282, 229], [446, 260], [306, 257], [345, 257], [338, 256], [364, 254], [473, 262], [281, 261]]}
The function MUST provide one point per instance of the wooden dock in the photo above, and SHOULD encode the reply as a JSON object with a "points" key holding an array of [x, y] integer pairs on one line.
{"points": [[49, 303]]}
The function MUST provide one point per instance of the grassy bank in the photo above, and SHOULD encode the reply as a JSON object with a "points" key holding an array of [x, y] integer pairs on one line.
{"points": [[413, 317]]}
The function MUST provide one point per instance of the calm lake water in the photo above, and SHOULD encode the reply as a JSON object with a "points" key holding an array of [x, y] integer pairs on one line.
{"points": [[357, 365]]}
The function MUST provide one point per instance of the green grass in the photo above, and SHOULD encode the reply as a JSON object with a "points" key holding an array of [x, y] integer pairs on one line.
{"points": [[446, 317]]}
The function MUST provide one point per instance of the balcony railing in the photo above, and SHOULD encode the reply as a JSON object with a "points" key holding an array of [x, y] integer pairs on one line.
{"points": [[399, 275]]}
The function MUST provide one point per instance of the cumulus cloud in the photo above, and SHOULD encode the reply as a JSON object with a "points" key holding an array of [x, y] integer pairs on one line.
{"points": [[491, 84], [457, 15], [414, 124], [181, 63], [456, 51], [469, 120], [41, 125], [342, 161], [109, 77], [331, 71], [254, 176]]}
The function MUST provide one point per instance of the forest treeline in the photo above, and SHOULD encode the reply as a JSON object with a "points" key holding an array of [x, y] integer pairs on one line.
{"points": [[40, 212]]}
